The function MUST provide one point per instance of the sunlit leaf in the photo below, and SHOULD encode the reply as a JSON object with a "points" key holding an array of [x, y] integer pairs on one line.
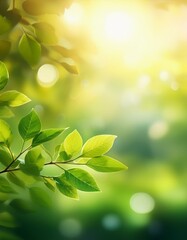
{"points": [[29, 125], [73, 143], [46, 135], [5, 25], [40, 197], [5, 112], [4, 48], [4, 75], [45, 33], [5, 132], [13, 98], [5, 186], [30, 49], [98, 145], [49, 183], [70, 68], [65, 187], [34, 162], [7, 220], [5, 156], [81, 180], [21, 205], [12, 177], [105, 164]]}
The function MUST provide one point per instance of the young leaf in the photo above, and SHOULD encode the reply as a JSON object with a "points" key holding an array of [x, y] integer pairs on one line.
{"points": [[5, 112], [29, 125], [40, 197], [34, 162], [4, 76], [5, 25], [45, 33], [46, 135], [70, 68], [12, 177], [49, 183], [13, 98], [5, 132], [73, 143], [5, 156], [5, 186], [105, 164], [81, 180], [30, 49], [98, 145], [65, 187]]}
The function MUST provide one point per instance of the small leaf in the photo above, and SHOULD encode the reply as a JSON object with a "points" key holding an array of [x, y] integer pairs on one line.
{"points": [[5, 157], [65, 187], [29, 125], [34, 162], [45, 33], [5, 186], [105, 164], [21, 205], [70, 68], [40, 197], [98, 145], [5, 132], [5, 25], [46, 135], [4, 48], [13, 98], [81, 180], [12, 177], [7, 220], [33, 7], [30, 49], [73, 143], [4, 76], [5, 112], [63, 51], [49, 183]]}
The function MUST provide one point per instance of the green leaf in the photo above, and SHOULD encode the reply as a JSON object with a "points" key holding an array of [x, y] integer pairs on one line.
{"points": [[81, 180], [29, 125], [5, 112], [5, 132], [65, 187], [46, 135], [40, 197], [7, 220], [5, 186], [30, 49], [5, 156], [45, 33], [4, 76], [70, 68], [13, 98], [4, 48], [73, 143], [105, 164], [13, 16], [12, 177], [5, 25], [49, 183], [34, 162], [21, 205], [98, 145]]}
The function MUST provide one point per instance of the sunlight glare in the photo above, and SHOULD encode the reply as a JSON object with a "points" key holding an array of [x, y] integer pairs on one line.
{"points": [[47, 75], [73, 15], [158, 130]]}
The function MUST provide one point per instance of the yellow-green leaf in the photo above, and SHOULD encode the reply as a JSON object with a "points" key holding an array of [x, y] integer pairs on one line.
{"points": [[5, 132], [5, 25], [4, 76], [13, 98]]}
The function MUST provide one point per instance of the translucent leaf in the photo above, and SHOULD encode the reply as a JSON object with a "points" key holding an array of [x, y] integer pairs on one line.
{"points": [[29, 125], [5, 25], [105, 164], [13, 98], [21, 205], [12, 177], [4, 48], [4, 75], [98, 145], [5, 157], [7, 220], [5, 112], [46, 135], [5, 132], [30, 49], [45, 33], [73, 143], [49, 183], [34, 162], [70, 68], [81, 180], [5, 186], [65, 187], [40, 197]]}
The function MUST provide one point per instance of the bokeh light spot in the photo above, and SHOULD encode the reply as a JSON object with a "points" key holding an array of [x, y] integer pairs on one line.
{"points": [[142, 203], [70, 228], [74, 14], [158, 130], [47, 75], [111, 222]]}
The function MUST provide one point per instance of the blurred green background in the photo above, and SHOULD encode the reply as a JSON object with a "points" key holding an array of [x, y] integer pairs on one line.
{"points": [[132, 58]]}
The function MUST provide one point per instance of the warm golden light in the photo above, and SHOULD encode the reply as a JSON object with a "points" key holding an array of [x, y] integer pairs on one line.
{"points": [[47, 75], [142, 203], [73, 15]]}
